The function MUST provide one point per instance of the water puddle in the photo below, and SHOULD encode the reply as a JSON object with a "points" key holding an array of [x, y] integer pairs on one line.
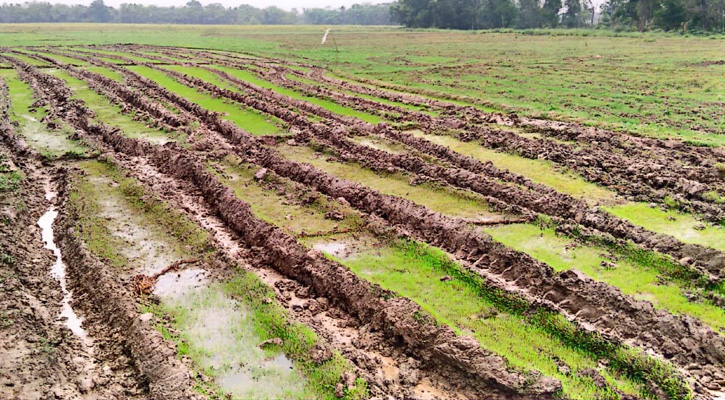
{"points": [[242, 380], [40, 138], [174, 285], [333, 249], [222, 339], [72, 321]]}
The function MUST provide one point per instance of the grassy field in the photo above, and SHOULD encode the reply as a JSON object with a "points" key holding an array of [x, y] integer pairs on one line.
{"points": [[471, 205], [649, 84]]}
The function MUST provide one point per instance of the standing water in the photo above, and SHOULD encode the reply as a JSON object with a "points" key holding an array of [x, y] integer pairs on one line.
{"points": [[58, 270]]}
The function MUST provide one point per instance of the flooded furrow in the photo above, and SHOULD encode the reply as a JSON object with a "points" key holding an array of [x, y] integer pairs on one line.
{"points": [[72, 321]]}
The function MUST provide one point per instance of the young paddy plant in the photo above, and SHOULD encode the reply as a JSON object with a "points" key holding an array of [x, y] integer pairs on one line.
{"points": [[526, 336], [243, 117], [643, 274]]}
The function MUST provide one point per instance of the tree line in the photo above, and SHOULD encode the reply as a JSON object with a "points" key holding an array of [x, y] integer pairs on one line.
{"points": [[193, 13], [643, 15]]}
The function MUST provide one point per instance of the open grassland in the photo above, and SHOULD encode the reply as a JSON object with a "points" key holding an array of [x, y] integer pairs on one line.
{"points": [[421, 214], [657, 85]]}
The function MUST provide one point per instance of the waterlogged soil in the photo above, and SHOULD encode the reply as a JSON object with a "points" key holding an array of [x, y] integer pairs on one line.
{"points": [[219, 334], [58, 272], [640, 281], [51, 143], [146, 248], [327, 226]]}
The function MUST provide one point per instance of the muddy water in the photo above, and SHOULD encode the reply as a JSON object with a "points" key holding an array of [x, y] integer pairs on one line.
{"points": [[222, 341], [217, 332], [72, 321], [54, 143], [178, 284]]}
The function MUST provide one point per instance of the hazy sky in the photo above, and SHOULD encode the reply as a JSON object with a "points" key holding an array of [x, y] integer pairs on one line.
{"points": [[285, 4]]}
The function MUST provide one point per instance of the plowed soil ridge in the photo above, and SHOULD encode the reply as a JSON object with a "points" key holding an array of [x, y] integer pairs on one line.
{"points": [[707, 262], [585, 301], [460, 356]]}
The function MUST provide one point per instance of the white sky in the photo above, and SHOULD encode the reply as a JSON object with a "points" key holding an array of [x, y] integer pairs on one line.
{"points": [[285, 4]]}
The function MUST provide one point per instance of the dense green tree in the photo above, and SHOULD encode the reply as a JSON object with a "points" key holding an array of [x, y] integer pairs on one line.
{"points": [[705, 15], [529, 14], [572, 16], [671, 15], [98, 12], [193, 12], [550, 13], [413, 13]]}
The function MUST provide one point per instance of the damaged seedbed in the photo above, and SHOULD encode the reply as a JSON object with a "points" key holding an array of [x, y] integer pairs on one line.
{"points": [[399, 267], [207, 185], [219, 334], [51, 139], [257, 232], [575, 210]]}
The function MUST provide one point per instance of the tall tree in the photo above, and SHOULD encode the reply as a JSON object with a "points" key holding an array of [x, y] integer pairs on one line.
{"points": [[529, 14], [98, 12], [572, 16], [671, 15], [550, 13]]}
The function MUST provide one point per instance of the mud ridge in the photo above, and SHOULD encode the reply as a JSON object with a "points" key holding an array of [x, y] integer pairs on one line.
{"points": [[393, 317], [441, 229], [584, 299], [707, 262]]}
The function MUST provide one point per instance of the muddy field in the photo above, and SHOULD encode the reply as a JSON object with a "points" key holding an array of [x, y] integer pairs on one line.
{"points": [[195, 223]]}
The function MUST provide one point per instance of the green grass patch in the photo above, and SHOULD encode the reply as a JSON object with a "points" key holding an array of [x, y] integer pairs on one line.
{"points": [[506, 324], [635, 273], [682, 226], [243, 117], [330, 105], [10, 181], [445, 200]]}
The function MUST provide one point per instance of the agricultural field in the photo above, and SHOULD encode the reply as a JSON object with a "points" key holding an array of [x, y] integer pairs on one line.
{"points": [[240, 212]]}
